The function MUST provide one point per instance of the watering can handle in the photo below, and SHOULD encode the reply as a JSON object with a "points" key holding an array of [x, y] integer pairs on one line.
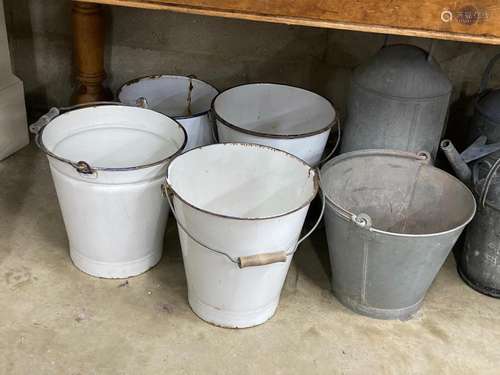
{"points": [[475, 170], [337, 143], [487, 183], [260, 259], [485, 80]]}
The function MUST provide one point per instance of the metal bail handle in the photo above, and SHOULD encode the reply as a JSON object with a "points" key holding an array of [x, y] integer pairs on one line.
{"points": [[363, 220], [337, 143], [487, 183], [38, 126], [485, 80], [213, 125], [260, 259]]}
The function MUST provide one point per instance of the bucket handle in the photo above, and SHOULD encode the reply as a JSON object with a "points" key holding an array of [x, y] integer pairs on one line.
{"points": [[213, 126], [337, 143], [487, 183], [363, 220], [37, 127], [485, 80], [45, 119], [260, 259]]}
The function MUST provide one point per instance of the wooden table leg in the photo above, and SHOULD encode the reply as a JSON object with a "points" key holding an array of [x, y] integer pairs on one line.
{"points": [[88, 45]]}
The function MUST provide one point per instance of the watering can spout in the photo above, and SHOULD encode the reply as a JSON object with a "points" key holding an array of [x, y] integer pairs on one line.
{"points": [[477, 150], [457, 162]]}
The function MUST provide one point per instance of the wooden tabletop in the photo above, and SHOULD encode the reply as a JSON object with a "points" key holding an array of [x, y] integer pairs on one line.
{"points": [[464, 20]]}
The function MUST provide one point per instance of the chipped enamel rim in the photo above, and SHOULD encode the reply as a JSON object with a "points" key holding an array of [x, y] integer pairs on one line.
{"points": [[271, 135], [233, 144]]}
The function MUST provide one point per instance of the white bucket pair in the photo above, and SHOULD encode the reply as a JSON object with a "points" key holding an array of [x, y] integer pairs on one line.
{"points": [[284, 117], [185, 99], [240, 209], [107, 164]]}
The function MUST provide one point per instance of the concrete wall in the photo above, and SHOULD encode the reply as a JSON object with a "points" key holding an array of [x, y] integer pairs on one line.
{"points": [[222, 51]]}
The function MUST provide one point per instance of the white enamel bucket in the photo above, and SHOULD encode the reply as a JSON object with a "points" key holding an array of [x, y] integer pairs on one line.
{"points": [[185, 99], [284, 117], [240, 210], [107, 164]]}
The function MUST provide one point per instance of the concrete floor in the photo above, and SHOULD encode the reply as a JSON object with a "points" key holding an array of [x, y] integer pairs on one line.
{"points": [[56, 320]]}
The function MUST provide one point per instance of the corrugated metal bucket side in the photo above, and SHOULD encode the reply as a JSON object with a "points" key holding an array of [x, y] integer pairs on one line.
{"points": [[280, 116], [185, 99], [107, 164], [391, 221], [240, 209]]}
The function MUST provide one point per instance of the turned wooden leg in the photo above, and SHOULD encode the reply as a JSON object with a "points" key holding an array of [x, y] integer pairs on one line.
{"points": [[88, 47]]}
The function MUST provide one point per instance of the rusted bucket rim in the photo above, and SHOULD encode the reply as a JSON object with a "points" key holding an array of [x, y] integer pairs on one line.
{"points": [[158, 76], [386, 152], [270, 135], [306, 203]]}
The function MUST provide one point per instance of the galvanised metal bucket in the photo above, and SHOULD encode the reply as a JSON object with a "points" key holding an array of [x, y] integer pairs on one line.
{"points": [[391, 221], [107, 164], [185, 99], [284, 117], [240, 210]]}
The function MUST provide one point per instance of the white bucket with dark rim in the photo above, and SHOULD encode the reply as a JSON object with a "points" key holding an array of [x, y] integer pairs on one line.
{"points": [[185, 99], [107, 164], [284, 117], [240, 210]]}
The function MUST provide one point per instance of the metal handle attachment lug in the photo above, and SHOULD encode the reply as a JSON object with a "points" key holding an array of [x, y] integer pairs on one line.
{"points": [[362, 220], [142, 102]]}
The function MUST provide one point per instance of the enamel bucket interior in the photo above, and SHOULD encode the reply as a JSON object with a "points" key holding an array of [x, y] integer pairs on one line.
{"points": [[113, 136], [174, 96], [242, 180], [400, 194], [273, 109]]}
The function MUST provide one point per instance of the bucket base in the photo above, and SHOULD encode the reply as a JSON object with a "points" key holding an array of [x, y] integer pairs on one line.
{"points": [[231, 319], [377, 313], [114, 270], [490, 292]]}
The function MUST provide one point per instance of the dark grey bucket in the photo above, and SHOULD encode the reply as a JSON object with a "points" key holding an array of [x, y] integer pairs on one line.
{"points": [[391, 221]]}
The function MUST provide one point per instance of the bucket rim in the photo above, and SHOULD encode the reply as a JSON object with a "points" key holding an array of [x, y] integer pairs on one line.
{"points": [[409, 155], [314, 171], [157, 76], [111, 169], [271, 135]]}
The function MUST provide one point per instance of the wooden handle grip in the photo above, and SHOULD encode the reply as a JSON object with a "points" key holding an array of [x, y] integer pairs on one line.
{"points": [[261, 259]]}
